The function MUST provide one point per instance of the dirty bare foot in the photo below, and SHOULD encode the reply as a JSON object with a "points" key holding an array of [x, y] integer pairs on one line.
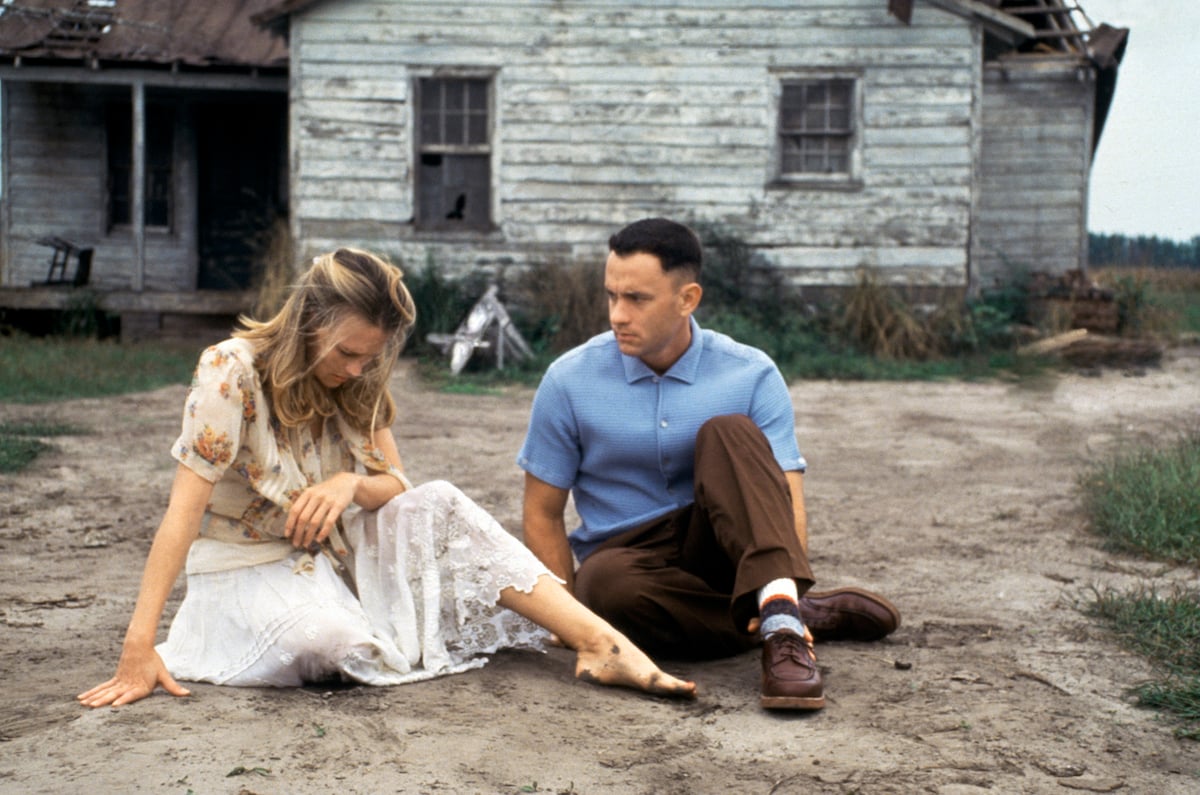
{"points": [[615, 660]]}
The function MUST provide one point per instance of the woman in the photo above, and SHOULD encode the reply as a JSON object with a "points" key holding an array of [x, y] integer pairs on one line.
{"points": [[309, 554]]}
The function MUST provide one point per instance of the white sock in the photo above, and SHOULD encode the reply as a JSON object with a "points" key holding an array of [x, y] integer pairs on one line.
{"points": [[779, 608], [784, 586]]}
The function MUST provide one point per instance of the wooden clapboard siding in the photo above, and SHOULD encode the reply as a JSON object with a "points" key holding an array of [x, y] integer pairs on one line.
{"points": [[607, 111], [1033, 173]]}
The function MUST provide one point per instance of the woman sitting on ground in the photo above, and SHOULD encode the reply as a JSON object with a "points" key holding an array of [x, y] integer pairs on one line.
{"points": [[309, 554]]}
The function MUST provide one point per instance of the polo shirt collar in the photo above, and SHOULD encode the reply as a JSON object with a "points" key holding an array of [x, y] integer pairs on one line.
{"points": [[684, 369]]}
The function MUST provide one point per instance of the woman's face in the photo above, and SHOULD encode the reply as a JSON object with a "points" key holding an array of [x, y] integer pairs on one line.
{"points": [[344, 350]]}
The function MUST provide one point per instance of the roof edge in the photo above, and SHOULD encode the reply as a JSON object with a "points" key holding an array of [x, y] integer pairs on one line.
{"points": [[275, 15], [996, 22]]}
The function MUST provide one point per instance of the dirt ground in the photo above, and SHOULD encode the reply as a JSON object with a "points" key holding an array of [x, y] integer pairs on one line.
{"points": [[956, 500]]}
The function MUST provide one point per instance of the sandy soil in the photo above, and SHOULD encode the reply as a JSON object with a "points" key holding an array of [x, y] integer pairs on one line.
{"points": [[955, 500]]}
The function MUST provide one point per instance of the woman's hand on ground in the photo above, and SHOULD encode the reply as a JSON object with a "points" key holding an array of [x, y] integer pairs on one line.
{"points": [[137, 676]]}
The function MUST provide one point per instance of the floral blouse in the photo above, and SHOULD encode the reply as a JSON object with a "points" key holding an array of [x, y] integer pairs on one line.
{"points": [[256, 465]]}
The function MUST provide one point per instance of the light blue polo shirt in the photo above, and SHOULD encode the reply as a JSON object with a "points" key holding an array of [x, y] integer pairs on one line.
{"points": [[623, 438]]}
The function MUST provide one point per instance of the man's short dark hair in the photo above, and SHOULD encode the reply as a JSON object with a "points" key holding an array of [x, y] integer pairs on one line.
{"points": [[676, 246]]}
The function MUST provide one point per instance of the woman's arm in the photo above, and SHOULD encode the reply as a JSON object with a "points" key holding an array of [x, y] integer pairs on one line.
{"points": [[140, 669], [316, 511]]}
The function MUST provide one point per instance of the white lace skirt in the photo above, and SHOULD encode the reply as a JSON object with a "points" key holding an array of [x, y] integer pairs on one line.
{"points": [[428, 567]]}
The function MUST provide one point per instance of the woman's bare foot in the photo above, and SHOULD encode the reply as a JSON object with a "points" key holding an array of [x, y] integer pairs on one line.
{"points": [[614, 660]]}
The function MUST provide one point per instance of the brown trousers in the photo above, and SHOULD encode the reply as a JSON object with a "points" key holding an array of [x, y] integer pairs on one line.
{"points": [[685, 584]]}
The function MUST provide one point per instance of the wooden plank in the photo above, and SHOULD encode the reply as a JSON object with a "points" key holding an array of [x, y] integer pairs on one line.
{"points": [[567, 155], [367, 168], [367, 209], [916, 156], [352, 111], [393, 88], [381, 188]]}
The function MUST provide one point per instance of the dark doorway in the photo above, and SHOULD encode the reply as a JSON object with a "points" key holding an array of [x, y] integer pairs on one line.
{"points": [[241, 147]]}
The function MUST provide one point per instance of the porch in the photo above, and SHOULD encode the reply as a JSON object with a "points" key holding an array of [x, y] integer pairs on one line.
{"points": [[200, 316]]}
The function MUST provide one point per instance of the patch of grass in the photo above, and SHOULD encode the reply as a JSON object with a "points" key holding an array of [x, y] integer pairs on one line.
{"points": [[480, 377], [1167, 630], [1147, 500], [40, 370], [18, 452], [21, 442]]}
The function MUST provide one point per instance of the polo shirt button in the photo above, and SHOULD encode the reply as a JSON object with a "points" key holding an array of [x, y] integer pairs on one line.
{"points": [[663, 424]]}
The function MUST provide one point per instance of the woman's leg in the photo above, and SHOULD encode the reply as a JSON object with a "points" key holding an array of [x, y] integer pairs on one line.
{"points": [[604, 656]]}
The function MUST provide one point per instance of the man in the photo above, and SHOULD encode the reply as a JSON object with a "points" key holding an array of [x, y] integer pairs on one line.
{"points": [[679, 447]]}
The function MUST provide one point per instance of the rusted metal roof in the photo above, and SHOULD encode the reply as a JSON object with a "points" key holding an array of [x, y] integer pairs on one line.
{"points": [[190, 32]]}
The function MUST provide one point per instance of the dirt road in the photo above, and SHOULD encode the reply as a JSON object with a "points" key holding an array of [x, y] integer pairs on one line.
{"points": [[955, 500]]}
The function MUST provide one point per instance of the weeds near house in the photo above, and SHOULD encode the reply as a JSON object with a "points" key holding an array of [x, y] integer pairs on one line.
{"points": [[81, 317], [1158, 301], [1147, 502], [874, 332], [880, 323], [560, 307], [441, 304]]}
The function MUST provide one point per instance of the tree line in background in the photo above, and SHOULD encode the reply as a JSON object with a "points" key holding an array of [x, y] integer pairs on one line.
{"points": [[1143, 251]]}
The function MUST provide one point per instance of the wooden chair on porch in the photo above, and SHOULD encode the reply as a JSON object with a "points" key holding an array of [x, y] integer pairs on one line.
{"points": [[63, 251]]}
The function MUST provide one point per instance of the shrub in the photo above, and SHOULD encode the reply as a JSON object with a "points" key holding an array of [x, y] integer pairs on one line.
{"points": [[559, 307]]}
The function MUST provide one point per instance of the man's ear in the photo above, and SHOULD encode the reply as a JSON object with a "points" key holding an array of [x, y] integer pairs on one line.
{"points": [[689, 296]]}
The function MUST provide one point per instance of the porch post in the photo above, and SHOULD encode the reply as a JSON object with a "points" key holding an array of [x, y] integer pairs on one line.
{"points": [[137, 210]]}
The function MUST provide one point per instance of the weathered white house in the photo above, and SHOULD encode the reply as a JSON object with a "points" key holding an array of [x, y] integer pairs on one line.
{"points": [[831, 134], [938, 142]]}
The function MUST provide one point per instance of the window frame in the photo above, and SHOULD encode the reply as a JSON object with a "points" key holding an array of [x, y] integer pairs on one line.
{"points": [[158, 161], [851, 177], [487, 149]]}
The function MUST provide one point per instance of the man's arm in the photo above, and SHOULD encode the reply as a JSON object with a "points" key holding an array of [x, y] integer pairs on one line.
{"points": [[795, 481], [546, 529]]}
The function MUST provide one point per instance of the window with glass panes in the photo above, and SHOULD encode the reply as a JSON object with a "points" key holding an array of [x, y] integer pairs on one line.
{"points": [[453, 172], [816, 127]]}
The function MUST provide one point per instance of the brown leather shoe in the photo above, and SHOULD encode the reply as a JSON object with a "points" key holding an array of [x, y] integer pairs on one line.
{"points": [[790, 679], [848, 614]]}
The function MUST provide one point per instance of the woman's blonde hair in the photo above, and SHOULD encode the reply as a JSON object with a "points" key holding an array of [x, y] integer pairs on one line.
{"points": [[340, 284]]}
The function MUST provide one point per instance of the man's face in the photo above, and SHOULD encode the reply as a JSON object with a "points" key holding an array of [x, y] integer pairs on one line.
{"points": [[649, 309]]}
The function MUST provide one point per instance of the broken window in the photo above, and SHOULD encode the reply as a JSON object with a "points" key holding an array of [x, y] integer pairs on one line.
{"points": [[454, 153], [159, 182], [816, 127]]}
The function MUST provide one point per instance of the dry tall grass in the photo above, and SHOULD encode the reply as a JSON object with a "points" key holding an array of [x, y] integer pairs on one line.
{"points": [[567, 302], [877, 319], [1159, 302], [279, 270]]}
